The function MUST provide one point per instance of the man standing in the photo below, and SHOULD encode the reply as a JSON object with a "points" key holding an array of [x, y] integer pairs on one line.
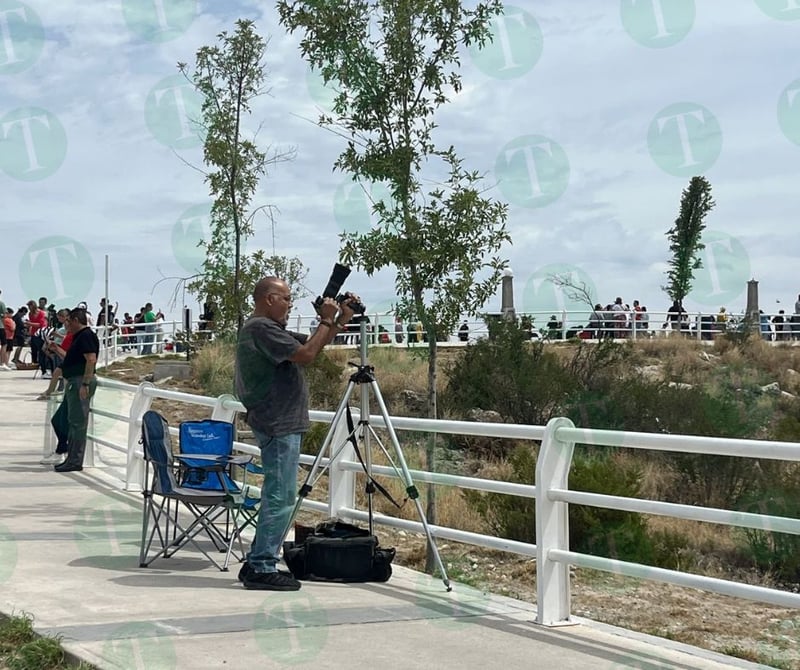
{"points": [[149, 319], [271, 384], [78, 369]]}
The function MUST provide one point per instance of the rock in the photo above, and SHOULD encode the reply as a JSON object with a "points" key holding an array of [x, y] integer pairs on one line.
{"points": [[484, 416], [416, 402], [651, 373], [773, 388], [680, 385]]}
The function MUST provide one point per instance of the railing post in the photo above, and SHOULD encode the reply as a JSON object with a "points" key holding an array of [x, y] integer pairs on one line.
{"points": [[552, 526], [341, 483], [134, 469], [222, 410]]}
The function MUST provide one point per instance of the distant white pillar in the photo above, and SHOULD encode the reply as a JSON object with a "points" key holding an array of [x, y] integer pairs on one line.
{"points": [[507, 297]]}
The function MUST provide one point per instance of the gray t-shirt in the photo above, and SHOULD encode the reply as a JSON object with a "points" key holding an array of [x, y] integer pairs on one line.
{"points": [[268, 384]]}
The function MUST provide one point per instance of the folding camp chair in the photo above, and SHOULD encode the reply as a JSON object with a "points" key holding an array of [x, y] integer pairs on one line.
{"points": [[178, 513], [212, 437]]}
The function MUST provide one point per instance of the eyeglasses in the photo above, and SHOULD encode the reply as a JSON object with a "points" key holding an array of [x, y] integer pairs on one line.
{"points": [[285, 298]]}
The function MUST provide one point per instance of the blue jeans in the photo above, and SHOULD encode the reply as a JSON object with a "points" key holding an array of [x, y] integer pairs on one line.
{"points": [[280, 457]]}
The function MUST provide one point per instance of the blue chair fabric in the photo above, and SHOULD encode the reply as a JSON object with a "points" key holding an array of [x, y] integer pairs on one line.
{"points": [[190, 500]]}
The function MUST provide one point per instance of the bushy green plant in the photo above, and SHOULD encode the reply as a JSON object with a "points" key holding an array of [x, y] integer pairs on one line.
{"points": [[634, 404], [40, 654], [778, 495], [612, 533], [15, 631], [507, 516], [522, 380], [607, 532], [22, 649], [671, 550]]}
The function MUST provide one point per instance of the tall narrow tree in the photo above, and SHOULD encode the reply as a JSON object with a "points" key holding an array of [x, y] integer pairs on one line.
{"points": [[685, 238], [394, 63], [230, 75]]}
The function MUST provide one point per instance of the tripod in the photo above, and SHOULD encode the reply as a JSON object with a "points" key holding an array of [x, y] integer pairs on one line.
{"points": [[364, 377]]}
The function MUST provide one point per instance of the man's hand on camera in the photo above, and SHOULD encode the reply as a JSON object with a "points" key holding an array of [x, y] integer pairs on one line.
{"points": [[327, 310], [346, 313]]}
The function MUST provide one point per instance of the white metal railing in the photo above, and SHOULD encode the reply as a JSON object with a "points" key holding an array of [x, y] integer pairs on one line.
{"points": [[162, 337], [551, 494]]}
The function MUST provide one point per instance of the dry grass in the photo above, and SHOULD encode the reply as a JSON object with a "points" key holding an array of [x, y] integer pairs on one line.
{"points": [[213, 366]]}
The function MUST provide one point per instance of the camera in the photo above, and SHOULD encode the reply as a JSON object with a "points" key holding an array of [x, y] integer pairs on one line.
{"points": [[338, 275]]}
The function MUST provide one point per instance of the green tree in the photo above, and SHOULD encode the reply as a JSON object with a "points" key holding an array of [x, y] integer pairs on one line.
{"points": [[230, 75], [684, 238], [252, 268], [393, 65]]}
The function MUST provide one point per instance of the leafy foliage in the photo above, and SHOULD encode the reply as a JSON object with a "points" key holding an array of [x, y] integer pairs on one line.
{"points": [[230, 76], [777, 495], [522, 380], [684, 238], [607, 532], [393, 65], [612, 533]]}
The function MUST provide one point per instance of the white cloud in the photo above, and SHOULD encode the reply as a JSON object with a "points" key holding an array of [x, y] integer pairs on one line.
{"points": [[594, 91]]}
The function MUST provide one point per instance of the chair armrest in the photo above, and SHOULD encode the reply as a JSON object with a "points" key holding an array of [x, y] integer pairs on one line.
{"points": [[216, 459]]}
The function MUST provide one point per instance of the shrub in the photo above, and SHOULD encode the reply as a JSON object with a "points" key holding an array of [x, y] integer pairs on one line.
{"points": [[606, 532], [523, 381], [612, 533], [507, 516], [778, 495]]}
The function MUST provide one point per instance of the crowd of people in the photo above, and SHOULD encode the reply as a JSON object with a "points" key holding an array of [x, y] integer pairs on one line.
{"points": [[40, 326], [619, 320]]}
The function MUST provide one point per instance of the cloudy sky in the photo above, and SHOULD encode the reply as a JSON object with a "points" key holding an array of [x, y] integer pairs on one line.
{"points": [[587, 117]]}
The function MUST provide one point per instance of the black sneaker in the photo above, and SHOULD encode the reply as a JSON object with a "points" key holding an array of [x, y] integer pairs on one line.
{"points": [[246, 571], [66, 466], [271, 581]]}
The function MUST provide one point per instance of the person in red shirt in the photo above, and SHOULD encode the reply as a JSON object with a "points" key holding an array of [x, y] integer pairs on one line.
{"points": [[36, 323]]}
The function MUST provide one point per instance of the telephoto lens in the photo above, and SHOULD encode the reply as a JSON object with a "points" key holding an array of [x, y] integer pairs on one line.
{"points": [[338, 275]]}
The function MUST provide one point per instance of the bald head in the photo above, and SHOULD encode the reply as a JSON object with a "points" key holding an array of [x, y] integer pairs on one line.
{"points": [[267, 285]]}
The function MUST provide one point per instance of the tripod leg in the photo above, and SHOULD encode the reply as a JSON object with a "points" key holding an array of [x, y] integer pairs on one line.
{"points": [[411, 489], [308, 484]]}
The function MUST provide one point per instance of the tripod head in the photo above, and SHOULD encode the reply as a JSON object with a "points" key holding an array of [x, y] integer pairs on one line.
{"points": [[365, 373]]}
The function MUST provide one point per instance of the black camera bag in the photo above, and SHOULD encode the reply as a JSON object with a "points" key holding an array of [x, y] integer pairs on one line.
{"points": [[336, 551]]}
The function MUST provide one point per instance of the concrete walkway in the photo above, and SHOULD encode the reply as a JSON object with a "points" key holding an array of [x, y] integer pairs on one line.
{"points": [[69, 557]]}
